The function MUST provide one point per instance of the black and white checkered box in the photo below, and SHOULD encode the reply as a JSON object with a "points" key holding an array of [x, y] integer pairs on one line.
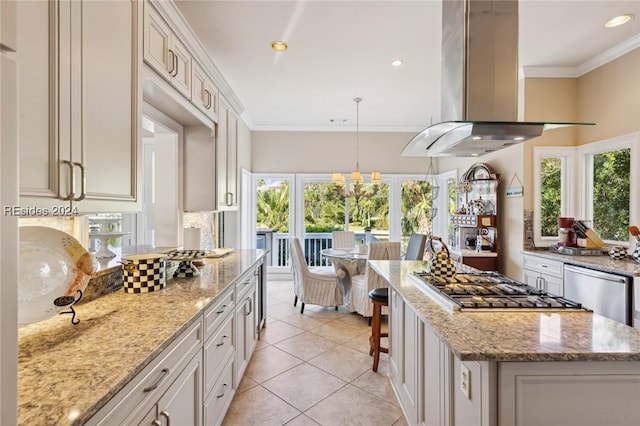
{"points": [[143, 273]]}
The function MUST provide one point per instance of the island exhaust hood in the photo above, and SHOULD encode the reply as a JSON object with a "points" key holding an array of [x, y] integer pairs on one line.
{"points": [[479, 83]]}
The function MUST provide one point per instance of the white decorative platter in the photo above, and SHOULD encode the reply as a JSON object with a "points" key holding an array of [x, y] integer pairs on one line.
{"points": [[54, 271]]}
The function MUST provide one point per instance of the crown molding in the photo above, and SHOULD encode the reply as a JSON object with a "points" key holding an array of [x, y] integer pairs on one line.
{"points": [[587, 66], [609, 55]]}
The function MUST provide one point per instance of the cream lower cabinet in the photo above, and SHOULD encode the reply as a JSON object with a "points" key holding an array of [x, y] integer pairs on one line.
{"points": [[171, 383], [182, 402], [246, 323], [78, 106], [427, 376], [404, 354], [544, 274], [219, 358]]}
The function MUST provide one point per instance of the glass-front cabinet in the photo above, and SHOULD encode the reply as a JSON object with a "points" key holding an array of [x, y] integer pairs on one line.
{"points": [[474, 225]]}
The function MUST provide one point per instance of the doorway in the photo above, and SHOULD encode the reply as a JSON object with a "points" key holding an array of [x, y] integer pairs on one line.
{"points": [[159, 224]]}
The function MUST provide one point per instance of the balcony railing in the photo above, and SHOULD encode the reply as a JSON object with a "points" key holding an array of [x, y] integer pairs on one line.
{"points": [[313, 244]]}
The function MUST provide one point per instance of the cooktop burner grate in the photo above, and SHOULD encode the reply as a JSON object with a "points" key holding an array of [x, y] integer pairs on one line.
{"points": [[490, 290]]}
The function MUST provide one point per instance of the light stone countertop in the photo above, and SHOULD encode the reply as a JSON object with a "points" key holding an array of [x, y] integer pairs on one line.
{"points": [[515, 336], [67, 372], [603, 263]]}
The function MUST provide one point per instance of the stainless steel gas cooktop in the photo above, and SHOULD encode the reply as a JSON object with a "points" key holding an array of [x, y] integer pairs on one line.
{"points": [[488, 291]]}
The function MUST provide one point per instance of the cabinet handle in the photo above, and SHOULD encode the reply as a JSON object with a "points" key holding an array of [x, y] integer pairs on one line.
{"points": [[156, 422], [222, 342], [167, 416], [226, 196], [250, 300], [175, 67], [210, 100], [224, 385], [208, 95], [154, 386], [224, 308], [83, 182], [172, 56], [70, 195]]}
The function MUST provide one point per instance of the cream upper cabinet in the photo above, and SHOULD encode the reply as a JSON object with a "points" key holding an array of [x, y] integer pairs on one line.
{"points": [[165, 53], [227, 157], [204, 93], [78, 104]]}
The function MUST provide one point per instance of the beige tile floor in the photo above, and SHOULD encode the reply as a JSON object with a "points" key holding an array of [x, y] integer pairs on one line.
{"points": [[313, 369]]}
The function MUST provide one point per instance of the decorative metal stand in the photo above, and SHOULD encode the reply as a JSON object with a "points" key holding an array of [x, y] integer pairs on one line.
{"points": [[186, 268], [69, 300]]}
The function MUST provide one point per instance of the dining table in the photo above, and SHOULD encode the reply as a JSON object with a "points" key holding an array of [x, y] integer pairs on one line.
{"points": [[347, 262]]}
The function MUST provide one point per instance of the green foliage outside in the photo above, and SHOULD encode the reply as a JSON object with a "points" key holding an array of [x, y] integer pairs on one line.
{"points": [[273, 205], [611, 188], [550, 201], [416, 207], [324, 208]]}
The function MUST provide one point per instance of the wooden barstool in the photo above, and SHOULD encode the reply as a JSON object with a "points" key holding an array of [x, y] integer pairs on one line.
{"points": [[380, 298]]}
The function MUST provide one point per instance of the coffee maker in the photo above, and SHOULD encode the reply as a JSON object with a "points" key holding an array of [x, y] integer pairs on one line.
{"points": [[566, 234]]}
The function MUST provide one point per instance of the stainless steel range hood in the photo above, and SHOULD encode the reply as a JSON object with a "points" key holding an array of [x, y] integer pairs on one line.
{"points": [[479, 83]]}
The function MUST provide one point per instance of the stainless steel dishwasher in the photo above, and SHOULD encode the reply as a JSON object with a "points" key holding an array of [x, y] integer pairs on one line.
{"points": [[606, 294]]}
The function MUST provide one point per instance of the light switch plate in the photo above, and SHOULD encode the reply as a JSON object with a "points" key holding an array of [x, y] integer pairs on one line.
{"points": [[465, 381]]}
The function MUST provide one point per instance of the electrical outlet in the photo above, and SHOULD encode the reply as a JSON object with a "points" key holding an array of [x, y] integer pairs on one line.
{"points": [[465, 381]]}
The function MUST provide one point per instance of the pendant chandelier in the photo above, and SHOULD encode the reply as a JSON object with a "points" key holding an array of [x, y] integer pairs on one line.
{"points": [[355, 187]]}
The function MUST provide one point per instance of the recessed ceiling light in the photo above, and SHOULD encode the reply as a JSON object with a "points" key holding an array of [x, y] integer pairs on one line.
{"points": [[279, 46], [476, 138], [518, 138], [397, 62], [619, 20]]}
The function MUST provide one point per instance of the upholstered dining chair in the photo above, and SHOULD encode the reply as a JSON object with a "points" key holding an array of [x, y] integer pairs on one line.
{"points": [[361, 285], [317, 285], [343, 239], [416, 247]]}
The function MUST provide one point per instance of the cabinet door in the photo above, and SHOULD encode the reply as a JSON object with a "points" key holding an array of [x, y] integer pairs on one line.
{"points": [[109, 103], [554, 285], [204, 93], [532, 278], [433, 394], [182, 402], [232, 158], [395, 317], [37, 29], [221, 154], [409, 369], [182, 67], [240, 342], [157, 39]]}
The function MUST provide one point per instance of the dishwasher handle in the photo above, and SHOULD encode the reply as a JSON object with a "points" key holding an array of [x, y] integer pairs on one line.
{"points": [[596, 274]]}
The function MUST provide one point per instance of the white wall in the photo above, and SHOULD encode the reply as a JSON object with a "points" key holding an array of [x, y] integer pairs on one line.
{"points": [[326, 152]]}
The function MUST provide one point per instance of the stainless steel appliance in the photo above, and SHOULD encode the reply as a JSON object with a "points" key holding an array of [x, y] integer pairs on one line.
{"points": [[488, 291], [606, 294]]}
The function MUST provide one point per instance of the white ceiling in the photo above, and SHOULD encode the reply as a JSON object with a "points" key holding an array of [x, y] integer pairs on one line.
{"points": [[339, 50]]}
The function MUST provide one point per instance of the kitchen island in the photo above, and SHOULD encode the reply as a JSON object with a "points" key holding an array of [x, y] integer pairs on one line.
{"points": [[74, 374], [507, 368]]}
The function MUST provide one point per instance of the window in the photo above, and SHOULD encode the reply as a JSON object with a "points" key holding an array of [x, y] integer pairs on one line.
{"points": [[608, 174], [554, 191], [591, 182]]}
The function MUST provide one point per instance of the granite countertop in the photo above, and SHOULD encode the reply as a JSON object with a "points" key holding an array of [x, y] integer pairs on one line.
{"points": [[67, 372], [516, 336], [602, 263]]}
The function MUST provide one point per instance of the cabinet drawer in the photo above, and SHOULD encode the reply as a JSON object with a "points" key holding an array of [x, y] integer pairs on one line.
{"points": [[142, 392], [246, 284], [216, 404], [215, 315], [216, 351], [545, 266]]}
